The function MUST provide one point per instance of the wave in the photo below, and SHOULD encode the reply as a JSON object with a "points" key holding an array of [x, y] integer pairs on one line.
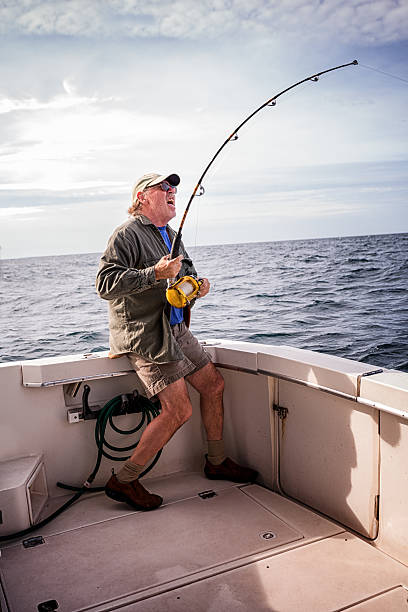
{"points": [[343, 296]]}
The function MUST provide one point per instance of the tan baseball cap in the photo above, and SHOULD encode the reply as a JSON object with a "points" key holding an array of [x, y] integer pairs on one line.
{"points": [[151, 179]]}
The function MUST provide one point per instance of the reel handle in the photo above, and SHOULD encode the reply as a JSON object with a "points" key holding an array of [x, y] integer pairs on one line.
{"points": [[183, 291]]}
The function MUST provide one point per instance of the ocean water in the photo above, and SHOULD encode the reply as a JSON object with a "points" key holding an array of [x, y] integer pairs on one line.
{"points": [[342, 296]]}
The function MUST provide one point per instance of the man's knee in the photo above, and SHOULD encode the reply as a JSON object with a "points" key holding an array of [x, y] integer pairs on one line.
{"points": [[213, 383], [177, 414], [183, 413], [175, 404]]}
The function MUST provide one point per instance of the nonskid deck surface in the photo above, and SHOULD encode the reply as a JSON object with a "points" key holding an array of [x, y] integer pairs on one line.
{"points": [[243, 548]]}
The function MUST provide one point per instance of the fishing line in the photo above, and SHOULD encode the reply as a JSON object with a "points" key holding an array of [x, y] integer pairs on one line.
{"points": [[199, 189], [180, 292], [393, 76]]}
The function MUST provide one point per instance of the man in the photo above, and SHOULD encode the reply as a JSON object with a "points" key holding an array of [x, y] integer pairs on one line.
{"points": [[133, 276]]}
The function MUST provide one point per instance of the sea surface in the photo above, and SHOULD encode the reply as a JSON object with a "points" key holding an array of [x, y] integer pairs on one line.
{"points": [[342, 296]]}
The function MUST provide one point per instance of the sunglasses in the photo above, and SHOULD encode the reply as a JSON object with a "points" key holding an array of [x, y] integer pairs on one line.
{"points": [[164, 186]]}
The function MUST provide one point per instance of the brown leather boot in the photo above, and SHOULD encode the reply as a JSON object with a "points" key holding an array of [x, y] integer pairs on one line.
{"points": [[132, 493], [229, 470]]}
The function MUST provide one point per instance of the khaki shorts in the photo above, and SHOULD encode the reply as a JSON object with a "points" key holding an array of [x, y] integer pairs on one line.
{"points": [[157, 376]]}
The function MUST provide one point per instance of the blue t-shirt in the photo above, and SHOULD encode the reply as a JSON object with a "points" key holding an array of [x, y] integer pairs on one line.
{"points": [[176, 314]]}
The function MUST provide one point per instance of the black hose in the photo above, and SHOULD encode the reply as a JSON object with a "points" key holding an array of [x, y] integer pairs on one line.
{"points": [[44, 522], [147, 409]]}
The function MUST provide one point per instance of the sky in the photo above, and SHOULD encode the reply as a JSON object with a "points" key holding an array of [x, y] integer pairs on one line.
{"points": [[95, 93]]}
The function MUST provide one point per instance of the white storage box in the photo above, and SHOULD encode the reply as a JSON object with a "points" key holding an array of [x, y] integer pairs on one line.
{"points": [[23, 493]]}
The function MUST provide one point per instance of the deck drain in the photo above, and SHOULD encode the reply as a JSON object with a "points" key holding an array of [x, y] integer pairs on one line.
{"points": [[267, 535]]}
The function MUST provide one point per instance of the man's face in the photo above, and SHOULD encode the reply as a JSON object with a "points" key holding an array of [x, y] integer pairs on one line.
{"points": [[162, 203]]}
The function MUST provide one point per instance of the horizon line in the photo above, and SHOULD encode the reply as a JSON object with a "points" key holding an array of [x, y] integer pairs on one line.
{"points": [[219, 244]]}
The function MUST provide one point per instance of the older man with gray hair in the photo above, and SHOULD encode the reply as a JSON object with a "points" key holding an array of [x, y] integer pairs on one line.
{"points": [[132, 276]]}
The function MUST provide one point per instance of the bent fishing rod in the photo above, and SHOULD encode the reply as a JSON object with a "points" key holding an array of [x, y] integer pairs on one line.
{"points": [[175, 293]]}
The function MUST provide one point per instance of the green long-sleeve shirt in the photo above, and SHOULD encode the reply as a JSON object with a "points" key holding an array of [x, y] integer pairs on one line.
{"points": [[138, 321]]}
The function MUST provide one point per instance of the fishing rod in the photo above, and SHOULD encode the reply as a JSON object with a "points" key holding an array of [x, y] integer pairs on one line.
{"points": [[176, 292]]}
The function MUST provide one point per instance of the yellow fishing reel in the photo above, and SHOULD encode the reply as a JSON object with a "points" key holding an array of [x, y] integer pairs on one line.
{"points": [[185, 289]]}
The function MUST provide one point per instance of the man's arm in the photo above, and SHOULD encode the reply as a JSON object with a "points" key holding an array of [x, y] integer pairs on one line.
{"points": [[116, 278]]}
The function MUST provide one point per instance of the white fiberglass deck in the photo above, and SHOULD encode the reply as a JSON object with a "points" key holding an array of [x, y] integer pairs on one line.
{"points": [[245, 548]]}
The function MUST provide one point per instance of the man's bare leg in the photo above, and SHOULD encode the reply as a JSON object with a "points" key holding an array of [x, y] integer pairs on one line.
{"points": [[210, 385], [176, 409]]}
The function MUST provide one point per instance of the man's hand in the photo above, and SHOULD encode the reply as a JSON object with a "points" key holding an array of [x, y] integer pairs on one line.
{"points": [[167, 268], [205, 287]]}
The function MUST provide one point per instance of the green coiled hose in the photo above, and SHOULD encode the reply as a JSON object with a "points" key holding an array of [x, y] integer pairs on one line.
{"points": [[147, 409]]}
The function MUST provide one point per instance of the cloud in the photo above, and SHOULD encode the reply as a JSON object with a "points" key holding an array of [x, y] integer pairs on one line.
{"points": [[63, 142], [361, 22], [70, 228], [24, 211], [289, 203], [299, 203], [94, 94], [8, 105]]}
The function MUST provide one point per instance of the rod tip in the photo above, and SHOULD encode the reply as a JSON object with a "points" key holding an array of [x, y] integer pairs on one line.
{"points": [[355, 62]]}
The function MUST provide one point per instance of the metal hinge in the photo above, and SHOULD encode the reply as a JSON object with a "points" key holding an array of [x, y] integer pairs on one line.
{"points": [[282, 412]]}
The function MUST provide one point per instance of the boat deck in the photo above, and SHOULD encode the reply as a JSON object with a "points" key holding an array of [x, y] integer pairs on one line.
{"points": [[234, 547]]}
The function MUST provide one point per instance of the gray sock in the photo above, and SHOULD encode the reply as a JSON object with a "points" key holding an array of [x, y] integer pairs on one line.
{"points": [[216, 454], [130, 471]]}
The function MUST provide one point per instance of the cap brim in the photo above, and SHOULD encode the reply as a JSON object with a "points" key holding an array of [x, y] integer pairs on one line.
{"points": [[173, 179]]}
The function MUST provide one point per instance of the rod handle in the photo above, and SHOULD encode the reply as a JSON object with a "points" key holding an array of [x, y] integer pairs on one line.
{"points": [[175, 248]]}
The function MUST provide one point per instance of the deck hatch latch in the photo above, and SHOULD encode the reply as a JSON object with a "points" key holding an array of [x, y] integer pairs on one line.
{"points": [[48, 606], [282, 412], [35, 541], [377, 507], [207, 494], [267, 535]]}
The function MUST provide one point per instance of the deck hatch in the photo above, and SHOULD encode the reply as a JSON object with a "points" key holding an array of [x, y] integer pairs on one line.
{"points": [[202, 538]]}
